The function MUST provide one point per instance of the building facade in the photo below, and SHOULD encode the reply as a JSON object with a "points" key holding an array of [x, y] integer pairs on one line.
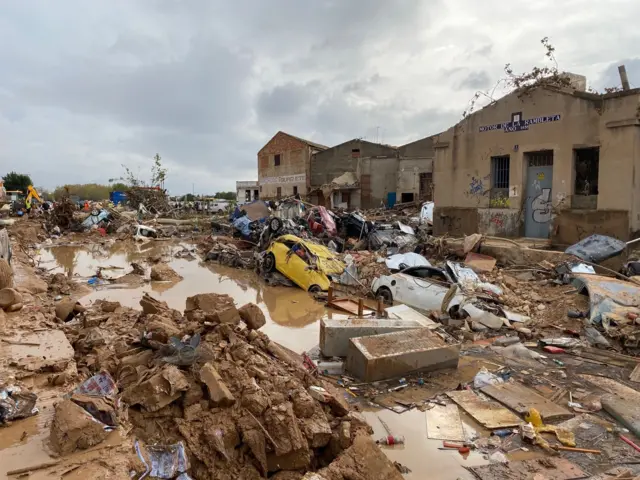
{"points": [[283, 166], [247, 191], [415, 171], [356, 175], [546, 163]]}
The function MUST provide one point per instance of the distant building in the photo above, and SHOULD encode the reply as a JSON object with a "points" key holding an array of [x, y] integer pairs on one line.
{"points": [[550, 162], [415, 171], [247, 191], [283, 166]]}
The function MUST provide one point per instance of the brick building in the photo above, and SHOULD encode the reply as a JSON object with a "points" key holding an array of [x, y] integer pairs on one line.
{"points": [[284, 166]]}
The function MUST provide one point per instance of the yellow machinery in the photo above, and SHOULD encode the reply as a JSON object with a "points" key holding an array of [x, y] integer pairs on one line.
{"points": [[32, 193]]}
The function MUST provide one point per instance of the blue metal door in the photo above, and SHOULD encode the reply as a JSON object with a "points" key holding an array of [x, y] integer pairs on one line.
{"points": [[537, 223], [391, 199]]}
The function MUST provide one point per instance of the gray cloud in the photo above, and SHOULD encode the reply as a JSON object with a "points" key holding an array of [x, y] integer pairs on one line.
{"points": [[205, 83]]}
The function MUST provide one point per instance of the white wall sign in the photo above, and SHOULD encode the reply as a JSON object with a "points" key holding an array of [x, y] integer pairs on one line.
{"points": [[285, 179]]}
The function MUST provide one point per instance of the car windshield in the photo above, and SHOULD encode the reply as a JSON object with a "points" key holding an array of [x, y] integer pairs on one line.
{"points": [[426, 272]]}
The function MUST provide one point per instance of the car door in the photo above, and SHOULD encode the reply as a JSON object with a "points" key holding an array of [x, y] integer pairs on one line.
{"points": [[425, 287], [292, 266]]}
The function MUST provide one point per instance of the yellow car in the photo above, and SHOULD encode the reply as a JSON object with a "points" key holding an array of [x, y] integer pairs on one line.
{"points": [[307, 264]]}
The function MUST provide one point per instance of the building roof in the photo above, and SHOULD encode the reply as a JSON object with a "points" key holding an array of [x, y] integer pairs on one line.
{"points": [[308, 142]]}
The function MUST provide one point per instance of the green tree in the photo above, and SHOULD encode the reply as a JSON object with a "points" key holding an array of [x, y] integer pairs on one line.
{"points": [[17, 181], [226, 195], [158, 172]]}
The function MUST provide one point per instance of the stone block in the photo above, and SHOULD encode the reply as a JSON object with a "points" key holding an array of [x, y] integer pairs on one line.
{"points": [[335, 334], [396, 354]]}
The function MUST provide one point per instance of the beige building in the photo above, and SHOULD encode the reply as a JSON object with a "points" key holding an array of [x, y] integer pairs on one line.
{"points": [[283, 166], [549, 163], [415, 171]]}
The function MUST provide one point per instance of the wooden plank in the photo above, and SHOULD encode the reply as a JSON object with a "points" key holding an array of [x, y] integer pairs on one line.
{"points": [[520, 399], [613, 387], [444, 423], [635, 375], [489, 414], [548, 468], [349, 306], [606, 357]]}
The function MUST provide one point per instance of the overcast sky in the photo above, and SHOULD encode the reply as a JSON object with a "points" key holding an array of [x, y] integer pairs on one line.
{"points": [[86, 86]]}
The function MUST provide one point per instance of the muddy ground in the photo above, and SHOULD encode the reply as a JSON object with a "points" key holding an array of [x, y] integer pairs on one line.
{"points": [[52, 271]]}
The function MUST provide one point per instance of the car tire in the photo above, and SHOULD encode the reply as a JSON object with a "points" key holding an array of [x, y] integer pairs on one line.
{"points": [[385, 295], [315, 289], [269, 263], [275, 224]]}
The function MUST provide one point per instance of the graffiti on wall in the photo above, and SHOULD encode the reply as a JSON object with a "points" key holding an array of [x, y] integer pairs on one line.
{"points": [[497, 219], [541, 206], [478, 187]]}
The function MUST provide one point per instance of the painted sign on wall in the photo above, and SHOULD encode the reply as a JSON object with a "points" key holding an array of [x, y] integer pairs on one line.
{"points": [[518, 124], [284, 179]]}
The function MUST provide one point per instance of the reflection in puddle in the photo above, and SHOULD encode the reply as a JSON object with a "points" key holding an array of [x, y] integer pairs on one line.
{"points": [[292, 314]]}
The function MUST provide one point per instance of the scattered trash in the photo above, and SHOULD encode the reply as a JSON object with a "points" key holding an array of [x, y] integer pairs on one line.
{"points": [[15, 404], [391, 440], [484, 378]]}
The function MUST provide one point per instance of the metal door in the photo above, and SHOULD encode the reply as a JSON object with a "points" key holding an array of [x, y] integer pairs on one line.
{"points": [[538, 201], [391, 199]]}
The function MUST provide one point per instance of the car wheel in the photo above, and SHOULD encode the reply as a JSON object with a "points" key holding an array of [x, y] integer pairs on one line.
{"points": [[275, 224], [385, 295], [315, 289], [269, 262]]}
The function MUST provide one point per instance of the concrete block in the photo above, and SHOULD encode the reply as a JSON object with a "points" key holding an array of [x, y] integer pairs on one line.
{"points": [[218, 390], [335, 334], [396, 354]]}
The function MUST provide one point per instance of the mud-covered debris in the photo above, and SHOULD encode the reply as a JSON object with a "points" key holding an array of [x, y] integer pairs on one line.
{"points": [[363, 459], [67, 309], [15, 404], [100, 408], [164, 461], [217, 308], [292, 449], [159, 391], [59, 284], [162, 272], [9, 297], [151, 305], [252, 316], [109, 307], [73, 428], [218, 390], [6, 274], [137, 269]]}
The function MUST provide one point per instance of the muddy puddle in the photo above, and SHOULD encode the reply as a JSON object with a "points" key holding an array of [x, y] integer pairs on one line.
{"points": [[292, 314]]}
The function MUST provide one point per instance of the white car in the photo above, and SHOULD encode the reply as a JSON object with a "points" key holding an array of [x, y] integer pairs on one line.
{"points": [[425, 287], [219, 206]]}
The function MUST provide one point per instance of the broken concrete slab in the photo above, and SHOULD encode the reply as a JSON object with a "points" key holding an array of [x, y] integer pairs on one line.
{"points": [[399, 353], [73, 428], [151, 305], [521, 399], [335, 334], [488, 413], [164, 273], [252, 316], [218, 391]]}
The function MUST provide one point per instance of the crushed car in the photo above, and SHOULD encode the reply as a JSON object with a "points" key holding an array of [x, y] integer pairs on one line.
{"points": [[425, 287], [307, 264]]}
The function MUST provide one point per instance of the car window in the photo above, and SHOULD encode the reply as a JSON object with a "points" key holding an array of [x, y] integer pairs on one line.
{"points": [[426, 272]]}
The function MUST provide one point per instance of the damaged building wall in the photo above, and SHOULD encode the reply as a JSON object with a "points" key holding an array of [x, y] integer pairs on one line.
{"points": [[517, 158], [283, 166], [415, 171], [372, 164]]}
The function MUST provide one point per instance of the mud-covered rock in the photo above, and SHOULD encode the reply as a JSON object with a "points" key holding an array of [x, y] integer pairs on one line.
{"points": [[252, 316], [219, 393], [218, 308], [9, 297], [109, 307], [151, 305], [255, 399], [159, 391], [162, 272], [316, 429]]}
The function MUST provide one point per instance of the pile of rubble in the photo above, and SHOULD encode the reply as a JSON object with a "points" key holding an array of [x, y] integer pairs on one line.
{"points": [[207, 395]]}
